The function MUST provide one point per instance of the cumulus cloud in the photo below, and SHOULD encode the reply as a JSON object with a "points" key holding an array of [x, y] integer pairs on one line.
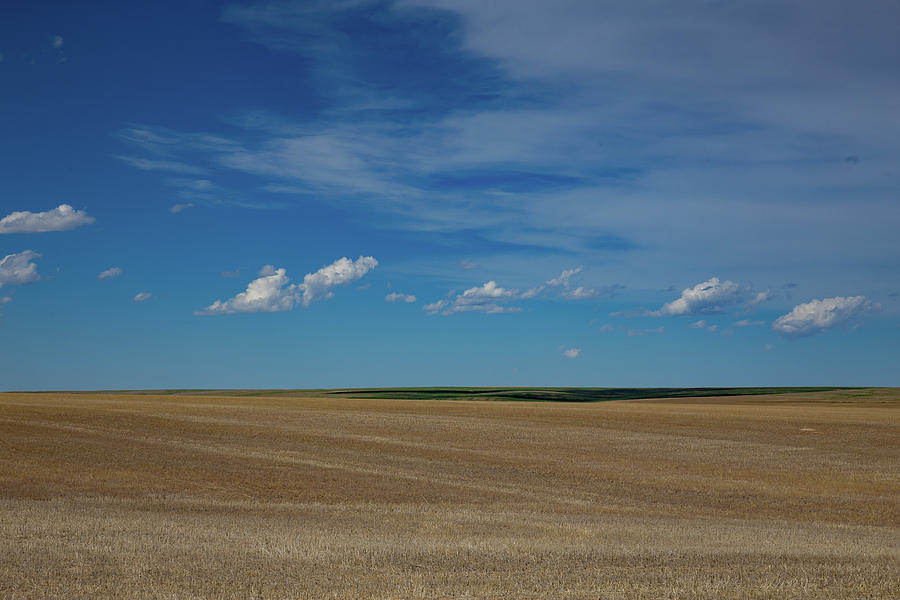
{"points": [[395, 297], [142, 296], [710, 297], [318, 285], [269, 292], [819, 316], [61, 218], [486, 298], [435, 307], [571, 352], [110, 273], [18, 269], [272, 292]]}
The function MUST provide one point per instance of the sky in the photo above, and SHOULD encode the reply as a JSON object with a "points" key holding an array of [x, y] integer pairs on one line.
{"points": [[350, 193]]}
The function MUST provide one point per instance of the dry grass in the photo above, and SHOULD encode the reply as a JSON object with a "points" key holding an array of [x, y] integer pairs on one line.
{"points": [[136, 496]]}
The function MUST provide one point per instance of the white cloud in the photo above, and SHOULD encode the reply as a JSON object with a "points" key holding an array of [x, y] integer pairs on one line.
{"points": [[702, 324], [268, 293], [110, 273], [748, 323], [17, 269], [768, 347], [148, 164], [709, 297], [485, 298], [435, 307], [395, 297], [818, 316], [56, 41], [607, 328], [271, 292], [579, 293], [142, 296], [563, 279], [572, 352], [531, 293], [177, 208], [318, 285], [5, 299], [469, 265], [61, 218]]}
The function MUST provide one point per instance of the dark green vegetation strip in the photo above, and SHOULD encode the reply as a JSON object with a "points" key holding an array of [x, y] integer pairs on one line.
{"points": [[566, 394], [562, 394]]}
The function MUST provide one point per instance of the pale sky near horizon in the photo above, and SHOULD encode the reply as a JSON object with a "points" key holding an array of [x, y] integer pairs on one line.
{"points": [[355, 193]]}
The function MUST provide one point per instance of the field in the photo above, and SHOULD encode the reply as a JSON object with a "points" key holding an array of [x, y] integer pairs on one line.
{"points": [[291, 494]]}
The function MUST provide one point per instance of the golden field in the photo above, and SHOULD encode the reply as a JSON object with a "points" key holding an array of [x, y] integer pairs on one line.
{"points": [[306, 495]]}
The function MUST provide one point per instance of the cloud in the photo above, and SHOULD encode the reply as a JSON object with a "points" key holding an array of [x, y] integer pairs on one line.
{"points": [[642, 332], [580, 293], [56, 41], [709, 297], [318, 285], [435, 307], [563, 279], [607, 328], [271, 292], [61, 218], [630, 313], [768, 347], [110, 273], [701, 324], [149, 164], [748, 323], [571, 352], [487, 298], [819, 316], [17, 269], [468, 265], [142, 296], [230, 274], [5, 299], [177, 208], [395, 297]]}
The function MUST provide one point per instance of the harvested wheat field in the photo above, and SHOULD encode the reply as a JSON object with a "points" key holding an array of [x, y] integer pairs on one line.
{"points": [[315, 495]]}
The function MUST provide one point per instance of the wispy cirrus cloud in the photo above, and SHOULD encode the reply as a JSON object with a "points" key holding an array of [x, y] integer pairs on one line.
{"points": [[61, 218], [110, 273]]}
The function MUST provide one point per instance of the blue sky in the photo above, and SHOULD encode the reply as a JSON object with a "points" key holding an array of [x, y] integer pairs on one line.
{"points": [[352, 193]]}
